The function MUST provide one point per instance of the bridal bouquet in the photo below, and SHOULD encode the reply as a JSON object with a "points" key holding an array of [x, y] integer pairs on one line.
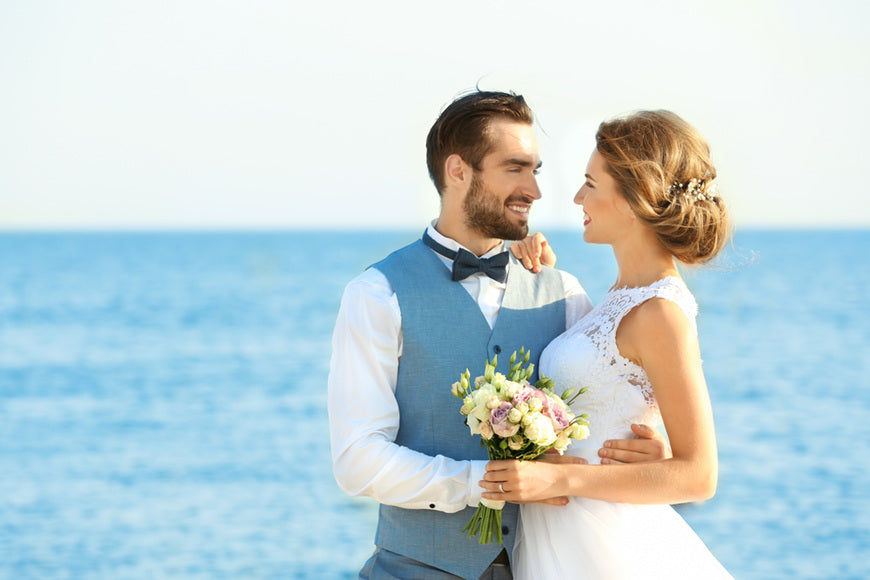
{"points": [[516, 420]]}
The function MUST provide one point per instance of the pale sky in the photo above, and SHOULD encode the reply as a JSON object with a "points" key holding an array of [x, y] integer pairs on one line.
{"points": [[281, 114]]}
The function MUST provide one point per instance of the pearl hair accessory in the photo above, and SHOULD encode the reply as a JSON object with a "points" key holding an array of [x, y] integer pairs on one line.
{"points": [[697, 189]]}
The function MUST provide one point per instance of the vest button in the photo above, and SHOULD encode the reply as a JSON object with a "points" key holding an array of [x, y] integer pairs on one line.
{"points": [[497, 349], [505, 530]]}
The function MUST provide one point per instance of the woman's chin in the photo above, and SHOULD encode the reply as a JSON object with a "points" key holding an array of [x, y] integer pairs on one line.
{"points": [[591, 238]]}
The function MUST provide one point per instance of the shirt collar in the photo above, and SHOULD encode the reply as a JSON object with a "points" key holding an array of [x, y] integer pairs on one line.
{"points": [[451, 244]]}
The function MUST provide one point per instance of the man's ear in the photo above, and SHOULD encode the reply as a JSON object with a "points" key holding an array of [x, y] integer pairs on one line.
{"points": [[457, 173]]}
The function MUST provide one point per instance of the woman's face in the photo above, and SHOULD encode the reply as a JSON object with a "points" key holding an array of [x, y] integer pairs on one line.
{"points": [[606, 214]]}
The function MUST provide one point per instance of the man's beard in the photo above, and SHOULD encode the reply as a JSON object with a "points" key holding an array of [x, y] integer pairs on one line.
{"points": [[486, 214]]}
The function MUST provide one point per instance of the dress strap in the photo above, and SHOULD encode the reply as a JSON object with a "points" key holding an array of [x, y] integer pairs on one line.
{"points": [[671, 288]]}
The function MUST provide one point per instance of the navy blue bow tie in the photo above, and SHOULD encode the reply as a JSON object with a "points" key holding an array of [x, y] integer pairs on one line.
{"points": [[465, 263]]}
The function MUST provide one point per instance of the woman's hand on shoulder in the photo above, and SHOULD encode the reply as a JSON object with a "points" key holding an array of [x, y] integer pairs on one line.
{"points": [[534, 252]]}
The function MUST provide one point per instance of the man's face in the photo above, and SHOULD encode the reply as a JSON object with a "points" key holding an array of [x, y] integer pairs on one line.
{"points": [[501, 194]]}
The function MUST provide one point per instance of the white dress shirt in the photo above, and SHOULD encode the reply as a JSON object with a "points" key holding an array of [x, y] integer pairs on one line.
{"points": [[363, 412]]}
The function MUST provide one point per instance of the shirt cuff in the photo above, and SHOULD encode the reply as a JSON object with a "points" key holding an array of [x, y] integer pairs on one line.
{"points": [[476, 473]]}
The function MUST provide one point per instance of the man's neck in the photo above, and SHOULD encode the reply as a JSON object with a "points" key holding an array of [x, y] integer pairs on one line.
{"points": [[475, 242]]}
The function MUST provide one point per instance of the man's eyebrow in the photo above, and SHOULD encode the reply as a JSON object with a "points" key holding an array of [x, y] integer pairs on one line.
{"points": [[522, 162]]}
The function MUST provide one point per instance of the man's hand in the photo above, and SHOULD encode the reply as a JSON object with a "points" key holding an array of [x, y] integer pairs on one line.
{"points": [[651, 446], [533, 252]]}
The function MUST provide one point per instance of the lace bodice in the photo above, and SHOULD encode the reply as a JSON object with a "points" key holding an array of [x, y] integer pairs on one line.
{"points": [[586, 355]]}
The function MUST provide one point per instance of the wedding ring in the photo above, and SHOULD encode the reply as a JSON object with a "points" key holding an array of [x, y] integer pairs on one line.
{"points": [[501, 487]]}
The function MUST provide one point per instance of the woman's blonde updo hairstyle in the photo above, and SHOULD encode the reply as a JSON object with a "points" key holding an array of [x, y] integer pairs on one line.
{"points": [[654, 156]]}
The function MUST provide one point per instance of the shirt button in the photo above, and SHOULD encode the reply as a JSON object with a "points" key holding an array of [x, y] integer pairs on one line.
{"points": [[497, 349], [432, 505]]}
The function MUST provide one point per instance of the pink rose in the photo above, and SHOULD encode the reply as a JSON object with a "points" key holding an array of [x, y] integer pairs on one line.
{"points": [[545, 400], [501, 425], [558, 415], [523, 395]]}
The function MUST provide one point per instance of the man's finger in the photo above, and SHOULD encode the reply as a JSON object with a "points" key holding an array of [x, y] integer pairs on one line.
{"points": [[555, 501], [611, 455], [644, 431], [633, 450], [639, 445]]}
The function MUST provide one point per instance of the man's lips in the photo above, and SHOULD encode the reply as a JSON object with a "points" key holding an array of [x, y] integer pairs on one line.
{"points": [[521, 208]]}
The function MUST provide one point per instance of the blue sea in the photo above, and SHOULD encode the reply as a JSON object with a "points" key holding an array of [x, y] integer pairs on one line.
{"points": [[163, 403]]}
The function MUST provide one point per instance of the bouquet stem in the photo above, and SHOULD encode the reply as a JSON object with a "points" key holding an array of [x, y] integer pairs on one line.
{"points": [[486, 522]]}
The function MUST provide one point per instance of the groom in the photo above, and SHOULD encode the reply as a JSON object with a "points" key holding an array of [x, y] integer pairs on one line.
{"points": [[410, 324]]}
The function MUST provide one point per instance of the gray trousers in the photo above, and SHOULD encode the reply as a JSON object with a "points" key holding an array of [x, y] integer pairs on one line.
{"points": [[386, 565]]}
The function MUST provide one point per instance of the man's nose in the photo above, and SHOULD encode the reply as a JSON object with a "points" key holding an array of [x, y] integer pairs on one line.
{"points": [[531, 189]]}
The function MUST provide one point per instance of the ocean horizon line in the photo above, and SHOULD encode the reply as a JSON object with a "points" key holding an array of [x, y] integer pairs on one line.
{"points": [[253, 230]]}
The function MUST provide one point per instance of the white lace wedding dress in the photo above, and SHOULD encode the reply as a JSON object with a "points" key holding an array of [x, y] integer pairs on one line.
{"points": [[596, 539]]}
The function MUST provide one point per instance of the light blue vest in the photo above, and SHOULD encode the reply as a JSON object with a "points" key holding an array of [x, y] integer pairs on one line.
{"points": [[444, 332]]}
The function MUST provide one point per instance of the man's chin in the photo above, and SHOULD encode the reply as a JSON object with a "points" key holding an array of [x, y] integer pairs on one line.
{"points": [[503, 230], [516, 237], [518, 233], [508, 235]]}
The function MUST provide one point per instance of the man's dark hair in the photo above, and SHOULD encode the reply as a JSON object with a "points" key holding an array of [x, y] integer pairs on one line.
{"points": [[463, 128]]}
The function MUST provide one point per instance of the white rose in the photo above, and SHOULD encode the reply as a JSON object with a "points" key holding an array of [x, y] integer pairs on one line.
{"points": [[481, 412], [539, 429]]}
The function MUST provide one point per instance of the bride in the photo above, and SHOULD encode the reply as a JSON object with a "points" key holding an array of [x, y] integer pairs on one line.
{"points": [[650, 194]]}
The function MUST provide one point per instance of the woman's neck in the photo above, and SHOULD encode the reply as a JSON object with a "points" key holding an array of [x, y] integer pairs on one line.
{"points": [[642, 264]]}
